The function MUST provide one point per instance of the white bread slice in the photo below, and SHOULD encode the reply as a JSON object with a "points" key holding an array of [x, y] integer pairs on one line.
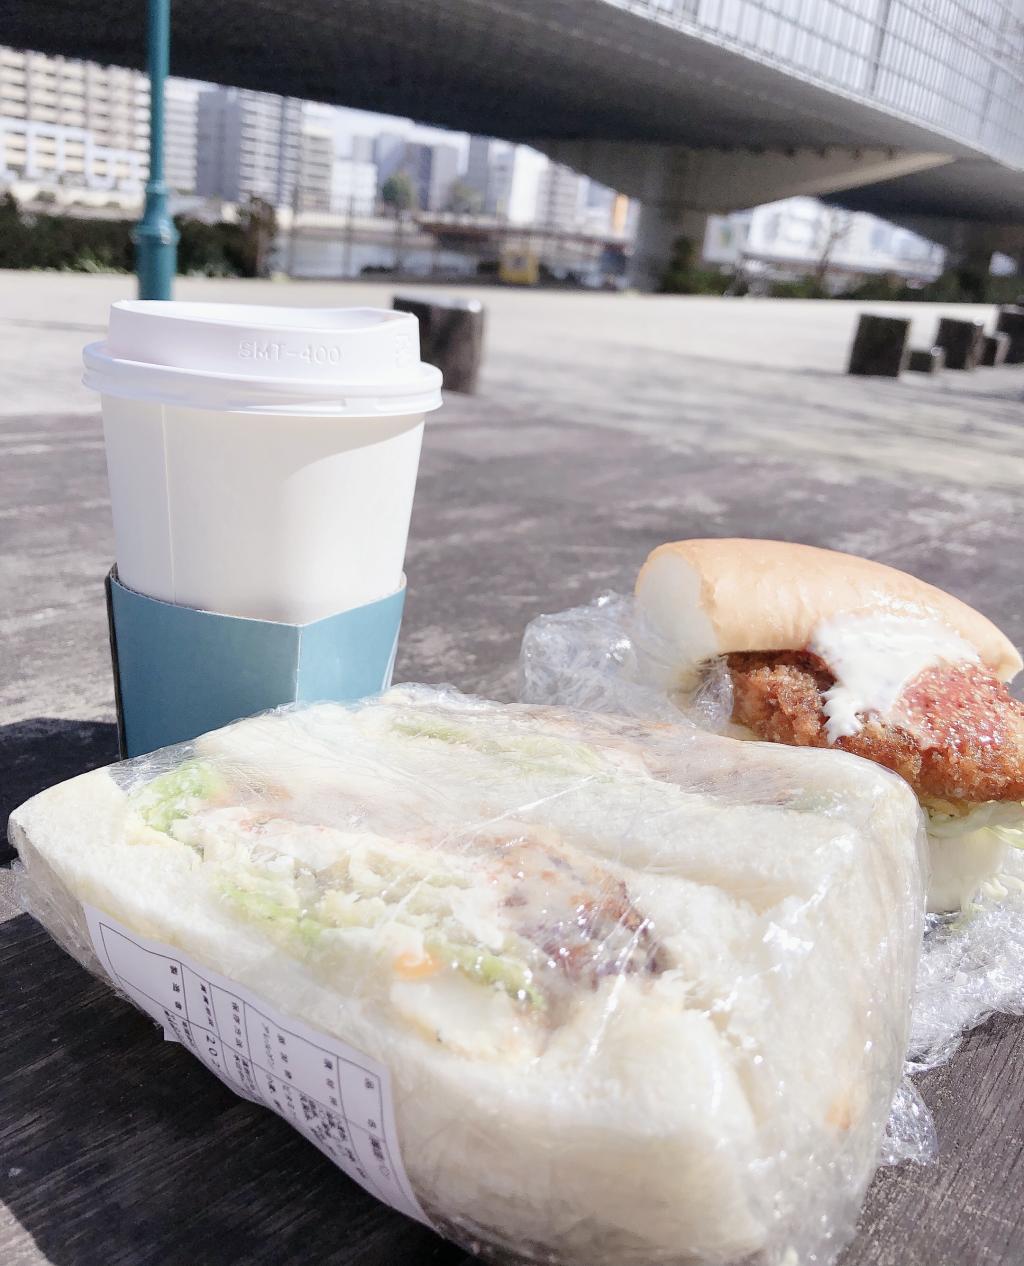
{"points": [[738, 1098]]}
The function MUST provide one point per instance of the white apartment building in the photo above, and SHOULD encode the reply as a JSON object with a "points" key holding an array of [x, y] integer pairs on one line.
{"points": [[599, 209], [71, 123], [801, 232], [249, 145], [316, 168], [361, 148], [353, 187], [561, 198], [514, 175], [181, 130]]}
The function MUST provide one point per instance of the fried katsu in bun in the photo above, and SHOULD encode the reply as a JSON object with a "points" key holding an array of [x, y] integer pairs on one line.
{"points": [[829, 650]]}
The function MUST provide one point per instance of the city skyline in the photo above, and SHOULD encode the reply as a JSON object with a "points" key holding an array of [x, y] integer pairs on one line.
{"points": [[230, 144]]}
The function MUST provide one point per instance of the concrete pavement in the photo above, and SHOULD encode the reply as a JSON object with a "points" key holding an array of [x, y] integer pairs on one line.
{"points": [[605, 424]]}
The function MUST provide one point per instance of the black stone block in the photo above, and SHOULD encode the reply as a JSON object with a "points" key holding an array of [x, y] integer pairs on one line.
{"points": [[1011, 322], [879, 346], [994, 348], [926, 360], [451, 336], [961, 341]]}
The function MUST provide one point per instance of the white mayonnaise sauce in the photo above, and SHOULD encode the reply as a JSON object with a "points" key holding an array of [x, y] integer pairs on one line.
{"points": [[874, 657]]}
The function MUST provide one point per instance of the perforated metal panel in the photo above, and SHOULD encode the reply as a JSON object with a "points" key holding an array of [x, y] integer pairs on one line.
{"points": [[954, 65]]}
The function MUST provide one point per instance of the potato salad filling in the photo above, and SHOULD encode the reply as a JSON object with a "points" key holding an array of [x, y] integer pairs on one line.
{"points": [[508, 909]]}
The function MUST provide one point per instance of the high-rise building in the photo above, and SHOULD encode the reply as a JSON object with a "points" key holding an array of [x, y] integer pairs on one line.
{"points": [[181, 131], [72, 123], [249, 145], [500, 174], [417, 163], [623, 216], [316, 168], [561, 198], [597, 209], [478, 168], [432, 170], [388, 154], [513, 183], [361, 149], [444, 171], [353, 187]]}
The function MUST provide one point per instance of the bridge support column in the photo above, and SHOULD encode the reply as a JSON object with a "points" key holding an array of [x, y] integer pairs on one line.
{"points": [[659, 228], [970, 246]]}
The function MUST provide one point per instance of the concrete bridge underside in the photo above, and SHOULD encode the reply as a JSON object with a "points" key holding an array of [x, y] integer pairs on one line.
{"points": [[636, 93]]}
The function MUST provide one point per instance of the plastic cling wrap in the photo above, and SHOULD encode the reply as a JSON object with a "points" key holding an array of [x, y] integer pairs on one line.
{"points": [[972, 965], [605, 656], [632, 994]]}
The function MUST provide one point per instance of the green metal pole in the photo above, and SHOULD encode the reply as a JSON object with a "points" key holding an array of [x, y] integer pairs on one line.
{"points": [[156, 238]]}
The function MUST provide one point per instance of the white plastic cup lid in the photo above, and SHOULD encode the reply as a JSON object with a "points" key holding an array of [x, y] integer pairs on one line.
{"points": [[335, 361]]}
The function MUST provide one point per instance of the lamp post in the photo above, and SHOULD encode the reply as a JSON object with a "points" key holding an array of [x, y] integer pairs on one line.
{"points": [[156, 238]]}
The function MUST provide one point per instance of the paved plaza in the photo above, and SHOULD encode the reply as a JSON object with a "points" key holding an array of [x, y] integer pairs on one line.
{"points": [[605, 425]]}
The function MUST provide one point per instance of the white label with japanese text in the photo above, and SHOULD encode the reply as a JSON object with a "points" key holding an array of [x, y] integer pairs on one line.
{"points": [[337, 1097]]}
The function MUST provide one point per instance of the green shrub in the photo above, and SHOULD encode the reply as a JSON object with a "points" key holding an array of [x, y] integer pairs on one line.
{"points": [[682, 277], [799, 288], [957, 285], [30, 239]]}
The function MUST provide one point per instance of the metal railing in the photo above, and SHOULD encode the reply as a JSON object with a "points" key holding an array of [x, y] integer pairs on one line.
{"points": [[956, 66]]}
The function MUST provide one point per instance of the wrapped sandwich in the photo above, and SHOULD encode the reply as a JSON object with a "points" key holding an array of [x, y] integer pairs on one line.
{"points": [[827, 650], [574, 990]]}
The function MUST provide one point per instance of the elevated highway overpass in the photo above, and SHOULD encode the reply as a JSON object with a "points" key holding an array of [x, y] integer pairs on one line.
{"points": [[913, 109]]}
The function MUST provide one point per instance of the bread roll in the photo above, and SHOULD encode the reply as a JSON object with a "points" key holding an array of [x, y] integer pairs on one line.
{"points": [[713, 597]]}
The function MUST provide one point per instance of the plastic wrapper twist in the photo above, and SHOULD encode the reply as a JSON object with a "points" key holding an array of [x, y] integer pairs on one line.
{"points": [[637, 994]]}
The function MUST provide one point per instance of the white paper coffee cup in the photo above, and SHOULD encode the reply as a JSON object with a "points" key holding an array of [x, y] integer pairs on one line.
{"points": [[262, 461]]}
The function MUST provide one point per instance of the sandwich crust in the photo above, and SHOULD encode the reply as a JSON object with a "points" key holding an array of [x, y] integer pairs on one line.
{"points": [[716, 597]]}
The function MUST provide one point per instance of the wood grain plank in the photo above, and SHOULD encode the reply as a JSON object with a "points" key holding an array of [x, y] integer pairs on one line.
{"points": [[968, 1207], [118, 1149]]}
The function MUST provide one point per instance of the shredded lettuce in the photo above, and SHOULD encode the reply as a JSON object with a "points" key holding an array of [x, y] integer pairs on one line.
{"points": [[274, 906], [526, 751], [488, 968], [295, 915], [177, 794], [293, 926], [381, 880], [1004, 819]]}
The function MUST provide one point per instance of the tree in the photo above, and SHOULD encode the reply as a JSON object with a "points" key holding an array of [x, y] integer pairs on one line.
{"points": [[832, 230], [463, 199], [399, 193], [684, 276], [258, 222]]}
